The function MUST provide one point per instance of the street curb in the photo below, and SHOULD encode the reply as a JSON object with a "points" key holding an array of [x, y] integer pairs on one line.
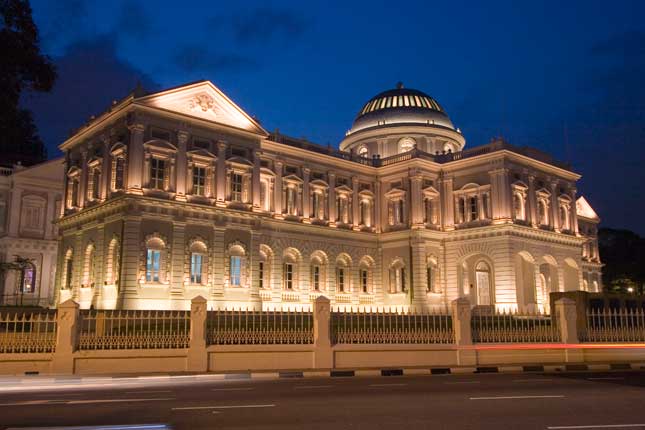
{"points": [[333, 373]]}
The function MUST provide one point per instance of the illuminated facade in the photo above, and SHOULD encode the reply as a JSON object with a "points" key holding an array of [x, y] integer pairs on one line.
{"points": [[30, 199], [180, 193]]}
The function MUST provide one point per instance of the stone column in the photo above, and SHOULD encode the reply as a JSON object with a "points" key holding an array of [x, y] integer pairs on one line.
{"points": [[178, 261], [130, 258], [356, 217], [135, 159], [106, 169], [448, 204], [277, 192], [255, 179], [182, 165], [419, 278], [13, 214], [323, 354], [376, 207], [67, 327], [415, 201], [574, 212], [220, 171], [197, 360], [82, 184], [531, 202], [555, 217], [332, 199], [306, 197]]}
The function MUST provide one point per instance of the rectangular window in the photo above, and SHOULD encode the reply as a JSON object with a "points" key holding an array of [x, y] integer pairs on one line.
{"points": [[236, 187], [157, 172], [316, 276], [430, 279], [261, 274], [264, 195], [153, 264], [28, 282], [288, 276], [236, 270], [96, 184], [364, 280], [74, 193], [403, 287], [196, 268], [341, 280], [199, 181], [474, 213]]}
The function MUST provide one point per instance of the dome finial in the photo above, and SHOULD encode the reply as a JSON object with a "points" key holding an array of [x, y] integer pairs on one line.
{"points": [[399, 85]]}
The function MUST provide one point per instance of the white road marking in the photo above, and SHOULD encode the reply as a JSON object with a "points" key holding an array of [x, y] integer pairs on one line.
{"points": [[387, 385], [607, 378], [85, 402], [148, 392], [517, 397], [233, 389], [532, 380], [606, 426], [303, 387], [188, 408], [80, 402]]}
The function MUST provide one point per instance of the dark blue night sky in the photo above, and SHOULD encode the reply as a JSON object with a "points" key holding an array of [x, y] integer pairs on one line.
{"points": [[565, 77]]}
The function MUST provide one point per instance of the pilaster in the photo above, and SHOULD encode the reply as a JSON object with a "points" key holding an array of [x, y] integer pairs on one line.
{"points": [[255, 179], [356, 219], [277, 192], [182, 164], [220, 171], [532, 202], [555, 217], [178, 253], [332, 199], [415, 201], [135, 159], [130, 258], [306, 195], [448, 205]]}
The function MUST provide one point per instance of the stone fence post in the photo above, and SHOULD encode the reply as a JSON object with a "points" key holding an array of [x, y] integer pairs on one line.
{"points": [[67, 330], [567, 317], [323, 354], [197, 360], [461, 315]]}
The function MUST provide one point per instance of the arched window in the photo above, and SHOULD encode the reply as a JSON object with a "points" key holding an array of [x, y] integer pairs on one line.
{"points": [[543, 213], [564, 218], [236, 265], [112, 262], [28, 278], [406, 144], [318, 271], [342, 276], [366, 213], [155, 259], [518, 206], [264, 267], [290, 269], [483, 280], [89, 266], [68, 270], [198, 262], [365, 275], [397, 277], [431, 275], [318, 204], [362, 151]]}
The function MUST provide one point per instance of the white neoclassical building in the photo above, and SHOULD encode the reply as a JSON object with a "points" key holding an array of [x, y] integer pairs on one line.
{"points": [[30, 202], [180, 193]]}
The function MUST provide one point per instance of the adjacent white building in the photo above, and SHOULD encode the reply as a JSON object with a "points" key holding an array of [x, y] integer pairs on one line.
{"points": [[30, 203], [181, 193]]}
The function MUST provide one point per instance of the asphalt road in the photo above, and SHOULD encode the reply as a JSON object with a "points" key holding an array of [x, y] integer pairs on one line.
{"points": [[614, 400]]}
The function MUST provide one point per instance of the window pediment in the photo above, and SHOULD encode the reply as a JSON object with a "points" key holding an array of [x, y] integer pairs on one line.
{"points": [[292, 179], [343, 189], [95, 161], [201, 154], [239, 161], [73, 171], [160, 145], [366, 194], [319, 183], [395, 193], [118, 149], [430, 192]]}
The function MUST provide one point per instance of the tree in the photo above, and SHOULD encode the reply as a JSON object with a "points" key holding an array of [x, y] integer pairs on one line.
{"points": [[23, 68], [623, 253]]}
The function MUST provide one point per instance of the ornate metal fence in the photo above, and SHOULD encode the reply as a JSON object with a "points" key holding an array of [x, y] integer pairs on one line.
{"points": [[228, 327], [511, 327], [24, 332], [619, 325], [133, 329], [391, 327]]}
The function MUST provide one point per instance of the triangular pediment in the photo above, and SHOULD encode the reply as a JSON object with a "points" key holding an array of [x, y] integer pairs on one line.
{"points": [[205, 101], [584, 209]]}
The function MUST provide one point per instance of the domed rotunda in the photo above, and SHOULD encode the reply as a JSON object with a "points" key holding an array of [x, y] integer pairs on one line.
{"points": [[397, 120]]}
